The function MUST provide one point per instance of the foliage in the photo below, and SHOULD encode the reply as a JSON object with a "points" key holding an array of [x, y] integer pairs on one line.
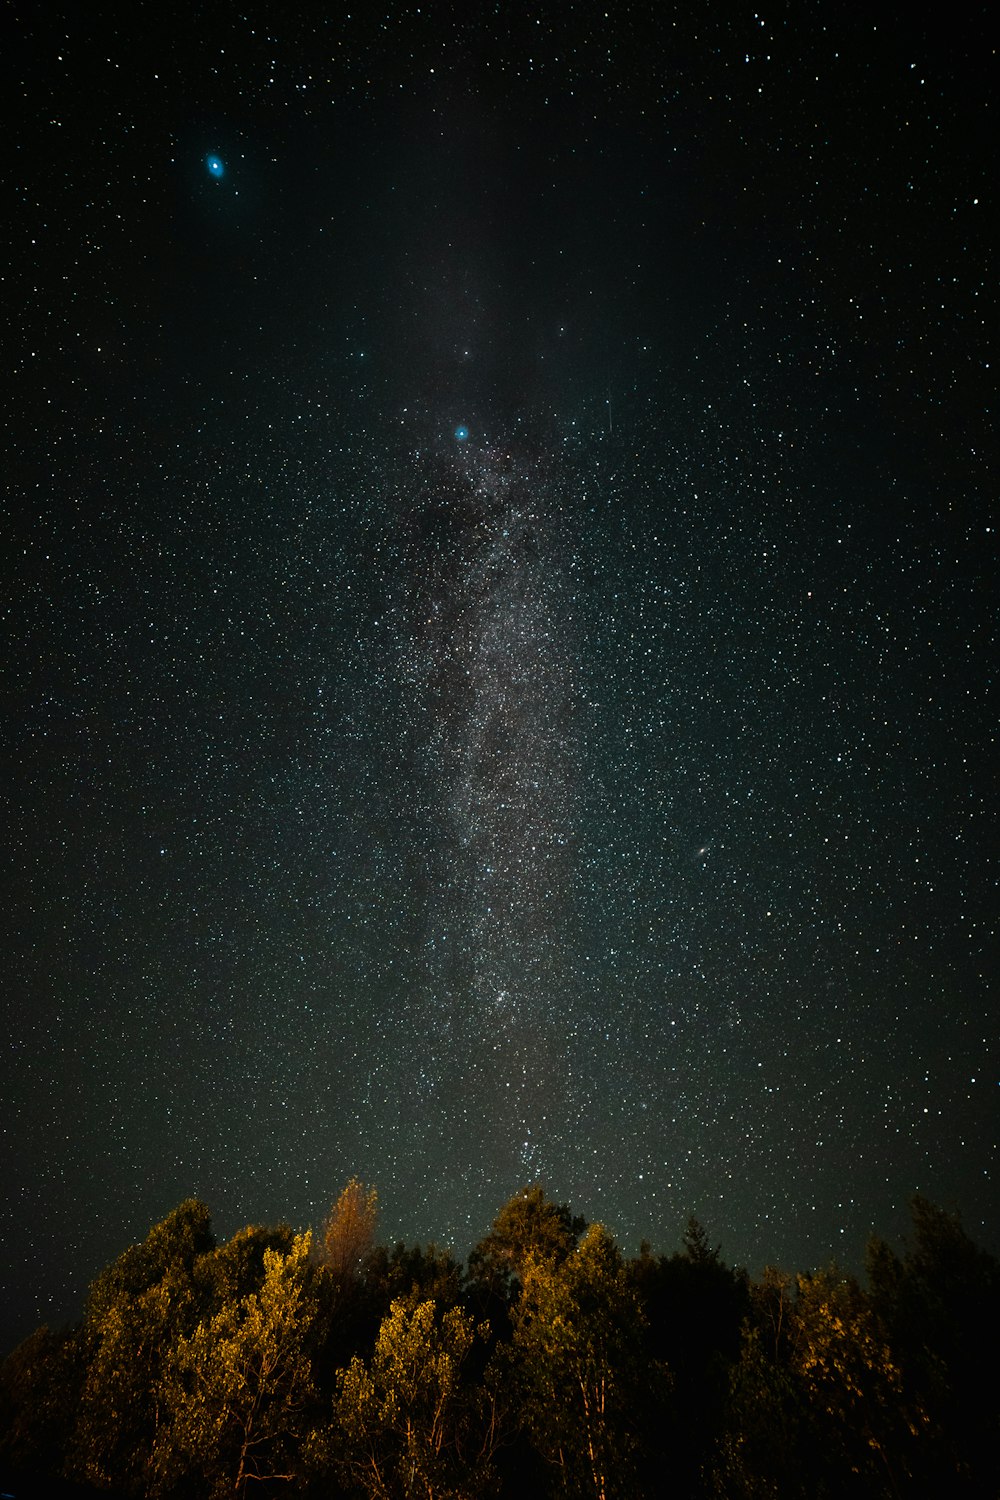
{"points": [[407, 1421], [236, 1393], [762, 1449], [578, 1329], [555, 1368], [171, 1248], [851, 1381], [349, 1231], [817, 1402], [528, 1229], [236, 1269], [136, 1311], [414, 1271], [940, 1305], [40, 1384]]}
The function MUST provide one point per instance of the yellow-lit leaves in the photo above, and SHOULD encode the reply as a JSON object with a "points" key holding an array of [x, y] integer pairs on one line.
{"points": [[407, 1419], [235, 1392]]}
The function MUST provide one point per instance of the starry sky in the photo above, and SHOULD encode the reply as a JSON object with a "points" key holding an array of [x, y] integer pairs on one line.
{"points": [[498, 598]]}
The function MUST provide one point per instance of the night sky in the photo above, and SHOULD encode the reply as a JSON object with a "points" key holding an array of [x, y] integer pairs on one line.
{"points": [[498, 600]]}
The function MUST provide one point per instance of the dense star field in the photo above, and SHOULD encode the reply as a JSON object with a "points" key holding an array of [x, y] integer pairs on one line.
{"points": [[499, 602]]}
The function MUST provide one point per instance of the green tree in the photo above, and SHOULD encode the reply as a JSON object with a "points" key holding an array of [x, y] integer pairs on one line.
{"points": [[578, 1334], [413, 1271], [817, 1406], [408, 1423], [854, 1385], [235, 1269], [171, 1248], [137, 1308], [237, 1393], [528, 1229]]}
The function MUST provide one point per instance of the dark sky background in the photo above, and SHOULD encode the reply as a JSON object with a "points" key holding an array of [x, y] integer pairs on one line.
{"points": [[605, 796]]}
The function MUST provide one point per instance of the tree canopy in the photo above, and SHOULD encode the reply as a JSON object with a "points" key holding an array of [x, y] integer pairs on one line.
{"points": [[551, 1366]]}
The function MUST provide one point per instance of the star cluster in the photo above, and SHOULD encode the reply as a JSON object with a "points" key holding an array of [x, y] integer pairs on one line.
{"points": [[499, 568]]}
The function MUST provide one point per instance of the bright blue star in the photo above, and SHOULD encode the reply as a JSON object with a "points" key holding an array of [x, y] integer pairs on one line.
{"points": [[461, 433], [216, 166]]}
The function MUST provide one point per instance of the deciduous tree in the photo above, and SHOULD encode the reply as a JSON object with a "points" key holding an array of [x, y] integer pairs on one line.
{"points": [[349, 1231], [578, 1334], [136, 1310], [528, 1229], [408, 1423], [237, 1394]]}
